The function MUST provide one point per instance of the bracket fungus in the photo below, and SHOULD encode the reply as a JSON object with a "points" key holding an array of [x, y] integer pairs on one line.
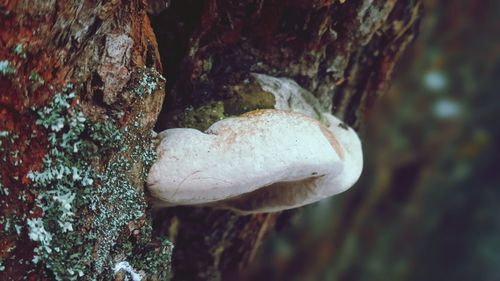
{"points": [[262, 161]]}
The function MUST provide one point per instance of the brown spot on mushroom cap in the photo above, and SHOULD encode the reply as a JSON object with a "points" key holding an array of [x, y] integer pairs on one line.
{"points": [[333, 141]]}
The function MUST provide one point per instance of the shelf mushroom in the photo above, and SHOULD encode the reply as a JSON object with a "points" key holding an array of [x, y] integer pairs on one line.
{"points": [[263, 161]]}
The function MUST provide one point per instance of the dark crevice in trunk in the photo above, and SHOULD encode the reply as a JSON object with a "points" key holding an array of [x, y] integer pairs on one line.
{"points": [[174, 28]]}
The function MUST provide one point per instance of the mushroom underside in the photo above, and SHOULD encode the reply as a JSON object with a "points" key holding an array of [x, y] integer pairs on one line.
{"points": [[275, 197]]}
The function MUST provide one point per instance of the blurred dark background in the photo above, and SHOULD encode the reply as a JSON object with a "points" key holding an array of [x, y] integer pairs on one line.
{"points": [[427, 206]]}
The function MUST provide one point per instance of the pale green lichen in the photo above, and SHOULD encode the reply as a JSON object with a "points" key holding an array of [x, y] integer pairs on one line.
{"points": [[148, 83], [106, 135], [19, 50], [68, 188], [65, 175], [36, 81], [150, 259], [38, 233], [7, 68], [3, 139], [12, 224]]}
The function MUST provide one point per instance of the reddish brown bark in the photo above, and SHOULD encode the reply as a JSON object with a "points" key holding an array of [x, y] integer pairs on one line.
{"points": [[98, 47]]}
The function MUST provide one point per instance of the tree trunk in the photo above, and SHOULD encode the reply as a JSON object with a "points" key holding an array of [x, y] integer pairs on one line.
{"points": [[81, 90]]}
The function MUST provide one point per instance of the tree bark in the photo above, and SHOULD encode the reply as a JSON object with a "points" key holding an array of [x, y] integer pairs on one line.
{"points": [[81, 89]]}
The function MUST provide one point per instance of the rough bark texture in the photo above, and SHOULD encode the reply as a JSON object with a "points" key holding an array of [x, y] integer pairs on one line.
{"points": [[80, 91], [62, 60]]}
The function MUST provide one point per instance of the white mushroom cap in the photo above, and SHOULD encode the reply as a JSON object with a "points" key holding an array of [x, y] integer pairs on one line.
{"points": [[263, 161], [287, 195]]}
